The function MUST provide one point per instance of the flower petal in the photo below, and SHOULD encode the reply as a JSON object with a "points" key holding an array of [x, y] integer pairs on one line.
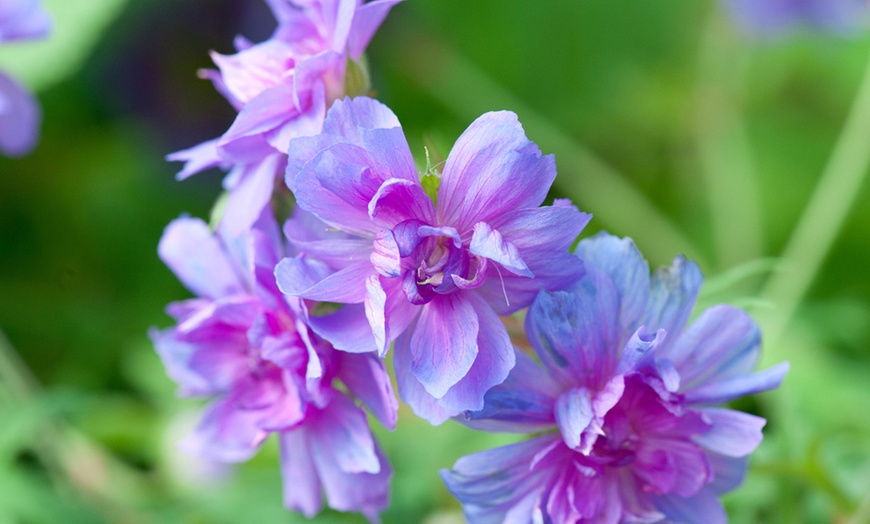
{"points": [[198, 258], [704, 507], [347, 329], [411, 390], [672, 296], [574, 332], [489, 243], [732, 388], [308, 278], [19, 118], [522, 404], [343, 433], [493, 169], [366, 377], [444, 343], [733, 433], [301, 480], [251, 195], [628, 271], [492, 364], [366, 21], [197, 158]]}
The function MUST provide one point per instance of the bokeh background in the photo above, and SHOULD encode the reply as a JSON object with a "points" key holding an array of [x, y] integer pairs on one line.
{"points": [[670, 124]]}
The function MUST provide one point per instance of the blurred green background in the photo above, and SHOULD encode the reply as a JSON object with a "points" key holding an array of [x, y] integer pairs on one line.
{"points": [[668, 123]]}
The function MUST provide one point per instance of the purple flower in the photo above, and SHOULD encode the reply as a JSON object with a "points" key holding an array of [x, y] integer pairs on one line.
{"points": [[432, 278], [627, 397], [240, 341], [281, 88], [19, 111], [771, 16]]}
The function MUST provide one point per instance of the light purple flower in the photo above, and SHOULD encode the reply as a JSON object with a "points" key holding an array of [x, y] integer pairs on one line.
{"points": [[773, 16], [431, 278], [281, 88], [241, 342], [19, 111], [627, 396]]}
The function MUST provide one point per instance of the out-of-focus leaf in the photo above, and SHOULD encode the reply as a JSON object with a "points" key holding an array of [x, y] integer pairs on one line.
{"points": [[78, 26], [23, 420]]}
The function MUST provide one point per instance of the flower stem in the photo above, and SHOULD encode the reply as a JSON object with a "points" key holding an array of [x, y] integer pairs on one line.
{"points": [[823, 217]]}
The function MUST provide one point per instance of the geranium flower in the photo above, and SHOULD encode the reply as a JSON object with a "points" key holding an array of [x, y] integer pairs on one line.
{"points": [[241, 342], [432, 278], [772, 16], [281, 88], [627, 397], [19, 111]]}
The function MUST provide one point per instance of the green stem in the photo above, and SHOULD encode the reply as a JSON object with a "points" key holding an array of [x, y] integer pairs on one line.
{"points": [[595, 186], [823, 217], [724, 154]]}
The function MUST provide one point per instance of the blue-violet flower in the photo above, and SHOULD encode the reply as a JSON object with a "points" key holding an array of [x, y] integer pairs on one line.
{"points": [[627, 397], [432, 278]]}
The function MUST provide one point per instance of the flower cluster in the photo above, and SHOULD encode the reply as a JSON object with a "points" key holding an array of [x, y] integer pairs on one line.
{"points": [[241, 341], [19, 111], [291, 324], [281, 89]]}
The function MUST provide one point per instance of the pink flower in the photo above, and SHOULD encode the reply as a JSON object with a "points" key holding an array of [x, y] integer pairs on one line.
{"points": [[240, 342], [282, 88]]}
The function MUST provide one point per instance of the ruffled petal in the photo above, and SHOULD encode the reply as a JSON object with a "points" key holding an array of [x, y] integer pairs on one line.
{"points": [[488, 243], [499, 483], [227, 433], [444, 343], [628, 271], [308, 278], [575, 332], [522, 404], [347, 329], [723, 342], [202, 368], [728, 472], [366, 378], [729, 389], [366, 21], [704, 507], [301, 480], [411, 390], [198, 258], [733, 433], [251, 195], [672, 297], [197, 159], [494, 360], [342, 432], [492, 170]]}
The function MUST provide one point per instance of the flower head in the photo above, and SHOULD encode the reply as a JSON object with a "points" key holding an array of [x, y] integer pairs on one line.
{"points": [[772, 16], [19, 110], [432, 278], [241, 342], [281, 88], [628, 394]]}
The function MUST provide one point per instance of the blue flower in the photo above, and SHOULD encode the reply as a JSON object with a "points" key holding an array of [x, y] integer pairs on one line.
{"points": [[626, 396]]}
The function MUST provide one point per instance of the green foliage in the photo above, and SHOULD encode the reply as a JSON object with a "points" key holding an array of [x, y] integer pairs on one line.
{"points": [[667, 124]]}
